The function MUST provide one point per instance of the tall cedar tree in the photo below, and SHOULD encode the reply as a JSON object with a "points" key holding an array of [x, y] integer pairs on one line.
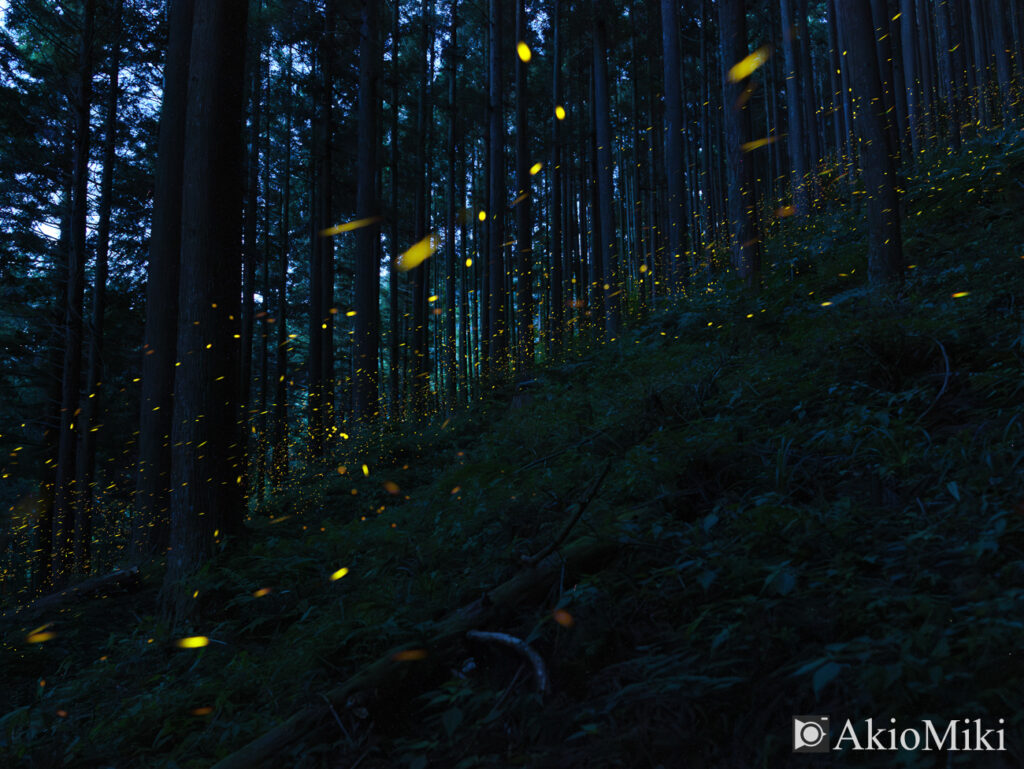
{"points": [[206, 494], [741, 197], [948, 73], [557, 301], [92, 407], [66, 497], [451, 262], [908, 45], [151, 520], [675, 195], [885, 255], [367, 278], [607, 264], [279, 459], [524, 207], [250, 253], [497, 342], [394, 346], [420, 275], [794, 104]]}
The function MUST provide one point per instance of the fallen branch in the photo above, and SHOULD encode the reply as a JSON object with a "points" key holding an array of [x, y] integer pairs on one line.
{"points": [[581, 506], [572, 446], [390, 668], [125, 579], [539, 671], [945, 381]]}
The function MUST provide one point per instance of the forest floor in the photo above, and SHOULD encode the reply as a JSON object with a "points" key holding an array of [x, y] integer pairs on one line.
{"points": [[801, 501]]}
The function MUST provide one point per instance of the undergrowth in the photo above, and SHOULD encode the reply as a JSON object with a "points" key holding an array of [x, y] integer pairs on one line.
{"points": [[816, 495]]}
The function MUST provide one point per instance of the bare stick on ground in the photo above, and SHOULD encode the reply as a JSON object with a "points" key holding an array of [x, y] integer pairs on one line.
{"points": [[539, 670]]}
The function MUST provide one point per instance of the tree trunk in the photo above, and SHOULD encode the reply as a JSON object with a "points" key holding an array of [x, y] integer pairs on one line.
{"points": [[497, 340], [743, 231], [676, 197], [794, 104], [150, 522], [279, 460], [807, 92], [92, 407], [366, 397], [948, 74], [394, 350], [66, 499], [885, 257], [883, 46], [997, 13], [557, 276], [524, 212], [454, 140], [911, 77], [250, 252], [208, 451], [981, 74], [610, 285], [420, 275]]}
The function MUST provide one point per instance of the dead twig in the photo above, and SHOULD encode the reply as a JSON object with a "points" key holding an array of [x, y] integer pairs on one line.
{"points": [[553, 454], [539, 670], [581, 506], [945, 380]]}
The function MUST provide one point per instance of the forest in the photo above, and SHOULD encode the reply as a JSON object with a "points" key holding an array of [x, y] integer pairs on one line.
{"points": [[480, 383]]}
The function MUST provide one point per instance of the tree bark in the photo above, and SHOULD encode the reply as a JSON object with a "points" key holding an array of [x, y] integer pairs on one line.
{"points": [[93, 407], [743, 230], [150, 522], [997, 13], [250, 253], [454, 140], [807, 90], [279, 460], [794, 104], [366, 395], [208, 451], [948, 74], [420, 275], [885, 256], [676, 196], [557, 232], [66, 499], [610, 286], [524, 210], [908, 43], [394, 350], [497, 340]]}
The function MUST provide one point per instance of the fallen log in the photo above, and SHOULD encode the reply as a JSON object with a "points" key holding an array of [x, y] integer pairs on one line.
{"points": [[125, 579], [575, 558]]}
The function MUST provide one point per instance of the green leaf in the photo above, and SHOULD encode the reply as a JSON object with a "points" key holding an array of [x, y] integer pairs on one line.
{"points": [[824, 675], [450, 720]]}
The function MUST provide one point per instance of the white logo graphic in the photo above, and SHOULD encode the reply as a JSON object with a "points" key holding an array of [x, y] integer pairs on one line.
{"points": [[810, 734]]}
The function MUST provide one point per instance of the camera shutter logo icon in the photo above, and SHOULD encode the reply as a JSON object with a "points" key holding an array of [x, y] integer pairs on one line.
{"points": [[810, 734]]}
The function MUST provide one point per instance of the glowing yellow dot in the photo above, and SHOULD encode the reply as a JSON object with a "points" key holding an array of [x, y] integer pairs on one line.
{"points": [[524, 51], [469, 262], [482, 215], [339, 574], [960, 294], [193, 642], [535, 168], [350, 314], [560, 112]]}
